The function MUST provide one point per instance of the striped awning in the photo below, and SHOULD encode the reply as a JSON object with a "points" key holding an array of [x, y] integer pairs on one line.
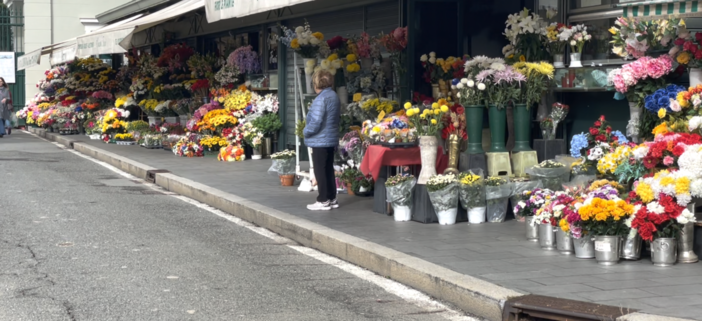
{"points": [[661, 9]]}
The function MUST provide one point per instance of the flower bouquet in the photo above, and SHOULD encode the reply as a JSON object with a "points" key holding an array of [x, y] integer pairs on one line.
{"points": [[503, 84], [124, 139], [213, 144], [470, 92], [153, 141], [525, 32], [443, 193], [497, 193], [427, 119], [303, 40], [399, 195], [633, 38], [522, 185], [245, 59], [185, 147], [231, 153], [550, 173], [349, 175], [605, 219], [597, 142], [547, 128], [531, 201], [284, 165], [538, 80], [472, 195]]}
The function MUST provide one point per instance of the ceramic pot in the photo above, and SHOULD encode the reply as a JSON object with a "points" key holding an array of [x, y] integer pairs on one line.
{"points": [[607, 249], [287, 180], [309, 89], [428, 146], [664, 251], [349, 189]]}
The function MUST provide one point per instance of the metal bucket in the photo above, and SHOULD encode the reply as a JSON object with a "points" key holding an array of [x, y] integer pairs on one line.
{"points": [[685, 243], [547, 237], [631, 248], [584, 247], [532, 231], [664, 251], [564, 243], [607, 249]]}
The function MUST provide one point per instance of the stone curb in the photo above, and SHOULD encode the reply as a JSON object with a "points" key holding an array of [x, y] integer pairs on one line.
{"points": [[473, 295]]}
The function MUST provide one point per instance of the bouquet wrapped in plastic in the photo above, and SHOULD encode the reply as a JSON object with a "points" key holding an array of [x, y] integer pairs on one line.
{"points": [[497, 193], [283, 163], [550, 173], [153, 141], [399, 195], [522, 185], [443, 193], [472, 195]]}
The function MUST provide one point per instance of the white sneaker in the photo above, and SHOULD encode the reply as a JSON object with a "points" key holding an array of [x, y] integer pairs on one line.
{"points": [[319, 206], [334, 203]]}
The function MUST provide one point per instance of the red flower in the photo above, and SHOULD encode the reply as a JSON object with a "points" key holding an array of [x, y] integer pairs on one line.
{"points": [[460, 110], [656, 150], [594, 131], [336, 42], [698, 54], [601, 138], [602, 118], [678, 150], [650, 162], [598, 124], [609, 130], [680, 41]]}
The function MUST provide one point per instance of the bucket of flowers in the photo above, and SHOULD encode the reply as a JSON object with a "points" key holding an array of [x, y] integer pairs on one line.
{"points": [[443, 193], [521, 185], [497, 193], [399, 195], [472, 195], [528, 206], [124, 139], [550, 173], [603, 216]]}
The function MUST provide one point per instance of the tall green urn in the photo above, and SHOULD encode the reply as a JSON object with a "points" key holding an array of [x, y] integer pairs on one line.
{"points": [[521, 128], [474, 124], [498, 124]]}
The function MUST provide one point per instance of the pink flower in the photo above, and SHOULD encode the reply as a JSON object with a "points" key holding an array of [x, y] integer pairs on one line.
{"points": [[675, 105], [668, 160]]}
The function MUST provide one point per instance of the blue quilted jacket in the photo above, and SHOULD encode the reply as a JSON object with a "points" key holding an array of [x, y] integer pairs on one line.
{"points": [[322, 128]]}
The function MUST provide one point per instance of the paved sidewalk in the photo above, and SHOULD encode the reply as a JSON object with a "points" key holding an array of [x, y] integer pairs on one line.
{"points": [[494, 252]]}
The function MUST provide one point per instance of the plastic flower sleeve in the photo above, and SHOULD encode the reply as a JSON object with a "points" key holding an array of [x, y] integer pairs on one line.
{"points": [[283, 166], [401, 194], [551, 178], [568, 161], [521, 187], [473, 196], [273, 170], [445, 199], [497, 198]]}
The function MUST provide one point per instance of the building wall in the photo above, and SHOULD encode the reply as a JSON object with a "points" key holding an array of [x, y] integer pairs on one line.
{"points": [[66, 25]]}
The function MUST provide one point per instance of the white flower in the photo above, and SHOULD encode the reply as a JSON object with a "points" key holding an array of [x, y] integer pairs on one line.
{"points": [[432, 54], [696, 188], [686, 217], [655, 208], [481, 86], [458, 95], [333, 71], [432, 60], [423, 58], [470, 83], [314, 41], [309, 70], [694, 123], [336, 64], [310, 63], [675, 105], [325, 64], [498, 66], [303, 41], [573, 43], [459, 85], [299, 30], [464, 80]]}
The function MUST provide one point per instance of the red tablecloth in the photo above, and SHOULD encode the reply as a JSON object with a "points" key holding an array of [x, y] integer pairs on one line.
{"points": [[378, 156]]}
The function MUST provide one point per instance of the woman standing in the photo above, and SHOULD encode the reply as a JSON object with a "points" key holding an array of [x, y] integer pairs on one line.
{"points": [[322, 135], [5, 107]]}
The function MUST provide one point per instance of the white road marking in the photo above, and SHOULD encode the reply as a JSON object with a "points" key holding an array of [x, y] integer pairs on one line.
{"points": [[408, 294]]}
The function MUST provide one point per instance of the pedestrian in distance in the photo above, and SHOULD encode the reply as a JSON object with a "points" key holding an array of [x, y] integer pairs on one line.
{"points": [[322, 135], [5, 108]]}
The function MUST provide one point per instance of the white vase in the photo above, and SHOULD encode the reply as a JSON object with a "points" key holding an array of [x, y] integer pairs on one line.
{"points": [[632, 129], [308, 77], [558, 61], [695, 76], [428, 146], [575, 60], [256, 153], [402, 213], [343, 94], [447, 217], [476, 215]]}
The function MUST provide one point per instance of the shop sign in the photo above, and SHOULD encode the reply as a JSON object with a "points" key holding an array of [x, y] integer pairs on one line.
{"points": [[7, 66], [63, 55], [104, 43], [226, 9], [29, 60]]}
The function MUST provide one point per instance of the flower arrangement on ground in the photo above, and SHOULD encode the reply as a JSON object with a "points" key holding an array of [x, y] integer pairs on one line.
{"points": [[472, 191], [550, 173], [443, 193], [399, 195], [213, 143], [532, 201], [497, 193], [604, 216], [188, 146], [231, 153], [284, 162], [124, 137]]}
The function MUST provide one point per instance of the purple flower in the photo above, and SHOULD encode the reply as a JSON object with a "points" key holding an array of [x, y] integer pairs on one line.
{"points": [[245, 59]]}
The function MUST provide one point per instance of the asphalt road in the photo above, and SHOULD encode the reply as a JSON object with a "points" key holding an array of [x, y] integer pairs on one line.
{"points": [[80, 242]]}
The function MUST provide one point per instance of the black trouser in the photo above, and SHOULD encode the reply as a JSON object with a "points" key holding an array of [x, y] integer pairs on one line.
{"points": [[323, 162]]}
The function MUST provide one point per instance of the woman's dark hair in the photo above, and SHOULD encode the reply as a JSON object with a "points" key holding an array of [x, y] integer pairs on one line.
{"points": [[4, 83]]}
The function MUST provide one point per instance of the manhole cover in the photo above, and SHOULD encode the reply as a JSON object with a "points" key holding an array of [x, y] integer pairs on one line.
{"points": [[65, 244]]}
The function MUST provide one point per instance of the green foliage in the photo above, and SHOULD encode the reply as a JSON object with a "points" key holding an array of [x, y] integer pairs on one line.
{"points": [[268, 123]]}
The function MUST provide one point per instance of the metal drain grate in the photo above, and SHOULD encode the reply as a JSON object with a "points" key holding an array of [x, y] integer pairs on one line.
{"points": [[537, 307], [151, 175]]}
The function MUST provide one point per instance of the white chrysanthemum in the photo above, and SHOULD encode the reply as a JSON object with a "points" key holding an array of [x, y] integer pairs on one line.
{"points": [[458, 95], [314, 41], [696, 187], [299, 30], [640, 152], [481, 86], [470, 83], [690, 160], [683, 199], [498, 66], [459, 85], [336, 64], [325, 64], [686, 217], [694, 123], [303, 41], [432, 54], [464, 81], [423, 58], [655, 208]]}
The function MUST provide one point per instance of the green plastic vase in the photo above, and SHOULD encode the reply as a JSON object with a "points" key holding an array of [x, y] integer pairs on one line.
{"points": [[474, 122], [521, 128], [498, 124]]}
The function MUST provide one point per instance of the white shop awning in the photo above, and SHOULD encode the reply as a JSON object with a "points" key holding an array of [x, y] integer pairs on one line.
{"points": [[106, 40], [30, 59], [661, 9], [226, 9], [157, 18]]}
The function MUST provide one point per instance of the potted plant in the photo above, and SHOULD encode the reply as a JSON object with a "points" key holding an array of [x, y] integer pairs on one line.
{"points": [[124, 139], [427, 121], [528, 206], [472, 193], [399, 195], [363, 185], [603, 217], [349, 175], [284, 164], [443, 193]]}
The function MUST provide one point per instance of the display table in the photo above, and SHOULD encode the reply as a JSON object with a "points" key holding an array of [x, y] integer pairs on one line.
{"points": [[379, 161]]}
